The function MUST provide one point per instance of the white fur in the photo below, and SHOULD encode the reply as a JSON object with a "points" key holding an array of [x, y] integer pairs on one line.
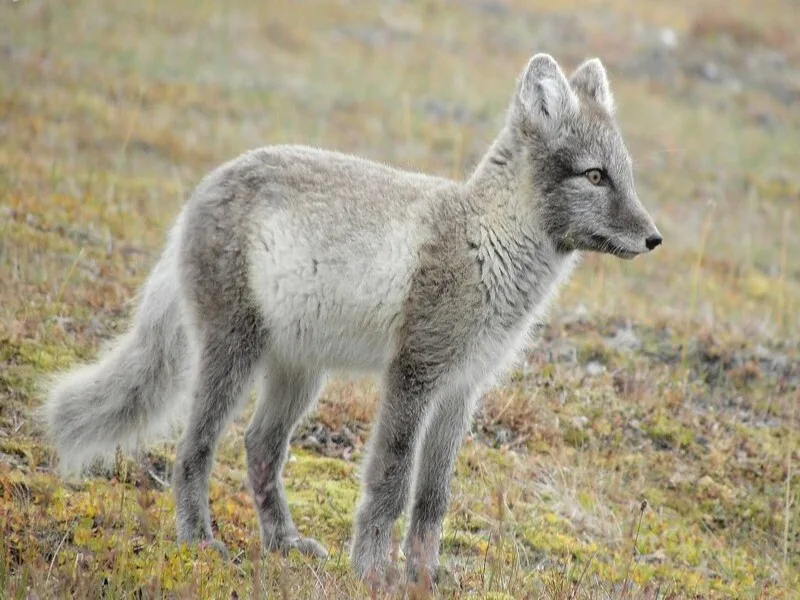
{"points": [[333, 303]]}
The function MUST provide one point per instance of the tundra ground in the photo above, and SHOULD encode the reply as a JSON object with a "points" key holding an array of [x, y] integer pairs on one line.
{"points": [[648, 445]]}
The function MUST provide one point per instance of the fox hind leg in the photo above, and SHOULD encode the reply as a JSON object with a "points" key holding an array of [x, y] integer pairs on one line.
{"points": [[226, 361], [286, 394]]}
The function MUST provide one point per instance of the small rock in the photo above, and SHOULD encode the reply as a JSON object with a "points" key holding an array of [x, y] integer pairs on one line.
{"points": [[668, 38], [624, 340], [735, 86], [775, 360], [562, 351], [579, 315], [594, 368], [580, 422], [311, 442]]}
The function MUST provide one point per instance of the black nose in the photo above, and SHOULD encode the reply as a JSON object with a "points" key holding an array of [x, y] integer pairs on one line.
{"points": [[653, 241]]}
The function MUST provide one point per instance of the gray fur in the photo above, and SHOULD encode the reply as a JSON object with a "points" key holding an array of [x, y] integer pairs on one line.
{"points": [[289, 263], [135, 390], [285, 396]]}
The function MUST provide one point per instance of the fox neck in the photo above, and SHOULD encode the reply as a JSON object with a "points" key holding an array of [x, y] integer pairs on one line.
{"points": [[520, 265], [501, 187]]}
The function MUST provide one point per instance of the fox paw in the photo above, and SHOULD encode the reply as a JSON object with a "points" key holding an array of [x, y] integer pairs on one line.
{"points": [[428, 578], [216, 545], [305, 545]]}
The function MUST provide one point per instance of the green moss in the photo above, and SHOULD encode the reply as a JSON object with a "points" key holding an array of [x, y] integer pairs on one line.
{"points": [[666, 432], [457, 541], [595, 350], [575, 436]]}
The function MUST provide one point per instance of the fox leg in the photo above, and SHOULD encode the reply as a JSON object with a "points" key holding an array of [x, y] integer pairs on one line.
{"points": [[227, 360], [408, 391], [435, 463], [286, 395]]}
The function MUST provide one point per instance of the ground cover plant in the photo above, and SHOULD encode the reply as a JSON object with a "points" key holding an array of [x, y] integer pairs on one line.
{"points": [[647, 447]]}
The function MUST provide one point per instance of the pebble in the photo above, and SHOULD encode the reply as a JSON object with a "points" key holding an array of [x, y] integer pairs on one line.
{"points": [[594, 368], [668, 38]]}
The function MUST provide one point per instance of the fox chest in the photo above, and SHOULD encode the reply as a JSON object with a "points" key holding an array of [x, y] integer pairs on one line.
{"points": [[508, 321]]}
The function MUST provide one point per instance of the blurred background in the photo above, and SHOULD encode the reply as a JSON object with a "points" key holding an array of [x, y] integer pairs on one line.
{"points": [[672, 378]]}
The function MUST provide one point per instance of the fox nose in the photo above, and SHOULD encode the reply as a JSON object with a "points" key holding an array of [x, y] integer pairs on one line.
{"points": [[653, 241]]}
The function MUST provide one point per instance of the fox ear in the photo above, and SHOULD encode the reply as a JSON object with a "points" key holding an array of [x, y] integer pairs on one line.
{"points": [[545, 95], [590, 80]]}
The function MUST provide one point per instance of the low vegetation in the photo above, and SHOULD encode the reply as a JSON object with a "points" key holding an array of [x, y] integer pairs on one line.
{"points": [[647, 446]]}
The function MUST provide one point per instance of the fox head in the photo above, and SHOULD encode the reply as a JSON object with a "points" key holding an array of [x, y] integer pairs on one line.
{"points": [[582, 174]]}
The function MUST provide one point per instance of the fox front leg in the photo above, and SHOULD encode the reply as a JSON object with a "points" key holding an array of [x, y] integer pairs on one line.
{"points": [[436, 461], [389, 467]]}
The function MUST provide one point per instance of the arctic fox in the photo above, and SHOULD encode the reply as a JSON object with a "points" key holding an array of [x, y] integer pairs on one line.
{"points": [[289, 263]]}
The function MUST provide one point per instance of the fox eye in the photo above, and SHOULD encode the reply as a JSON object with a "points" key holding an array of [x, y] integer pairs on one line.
{"points": [[596, 176]]}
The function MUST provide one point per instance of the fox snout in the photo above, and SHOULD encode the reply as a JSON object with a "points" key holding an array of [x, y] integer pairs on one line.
{"points": [[640, 225], [637, 235], [652, 236]]}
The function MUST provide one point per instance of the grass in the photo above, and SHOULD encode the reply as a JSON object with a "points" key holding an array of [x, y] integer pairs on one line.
{"points": [[645, 448]]}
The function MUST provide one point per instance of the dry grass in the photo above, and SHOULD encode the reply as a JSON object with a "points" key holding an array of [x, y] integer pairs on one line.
{"points": [[672, 379]]}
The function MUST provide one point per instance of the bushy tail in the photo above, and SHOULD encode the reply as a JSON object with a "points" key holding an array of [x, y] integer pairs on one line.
{"points": [[132, 392]]}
